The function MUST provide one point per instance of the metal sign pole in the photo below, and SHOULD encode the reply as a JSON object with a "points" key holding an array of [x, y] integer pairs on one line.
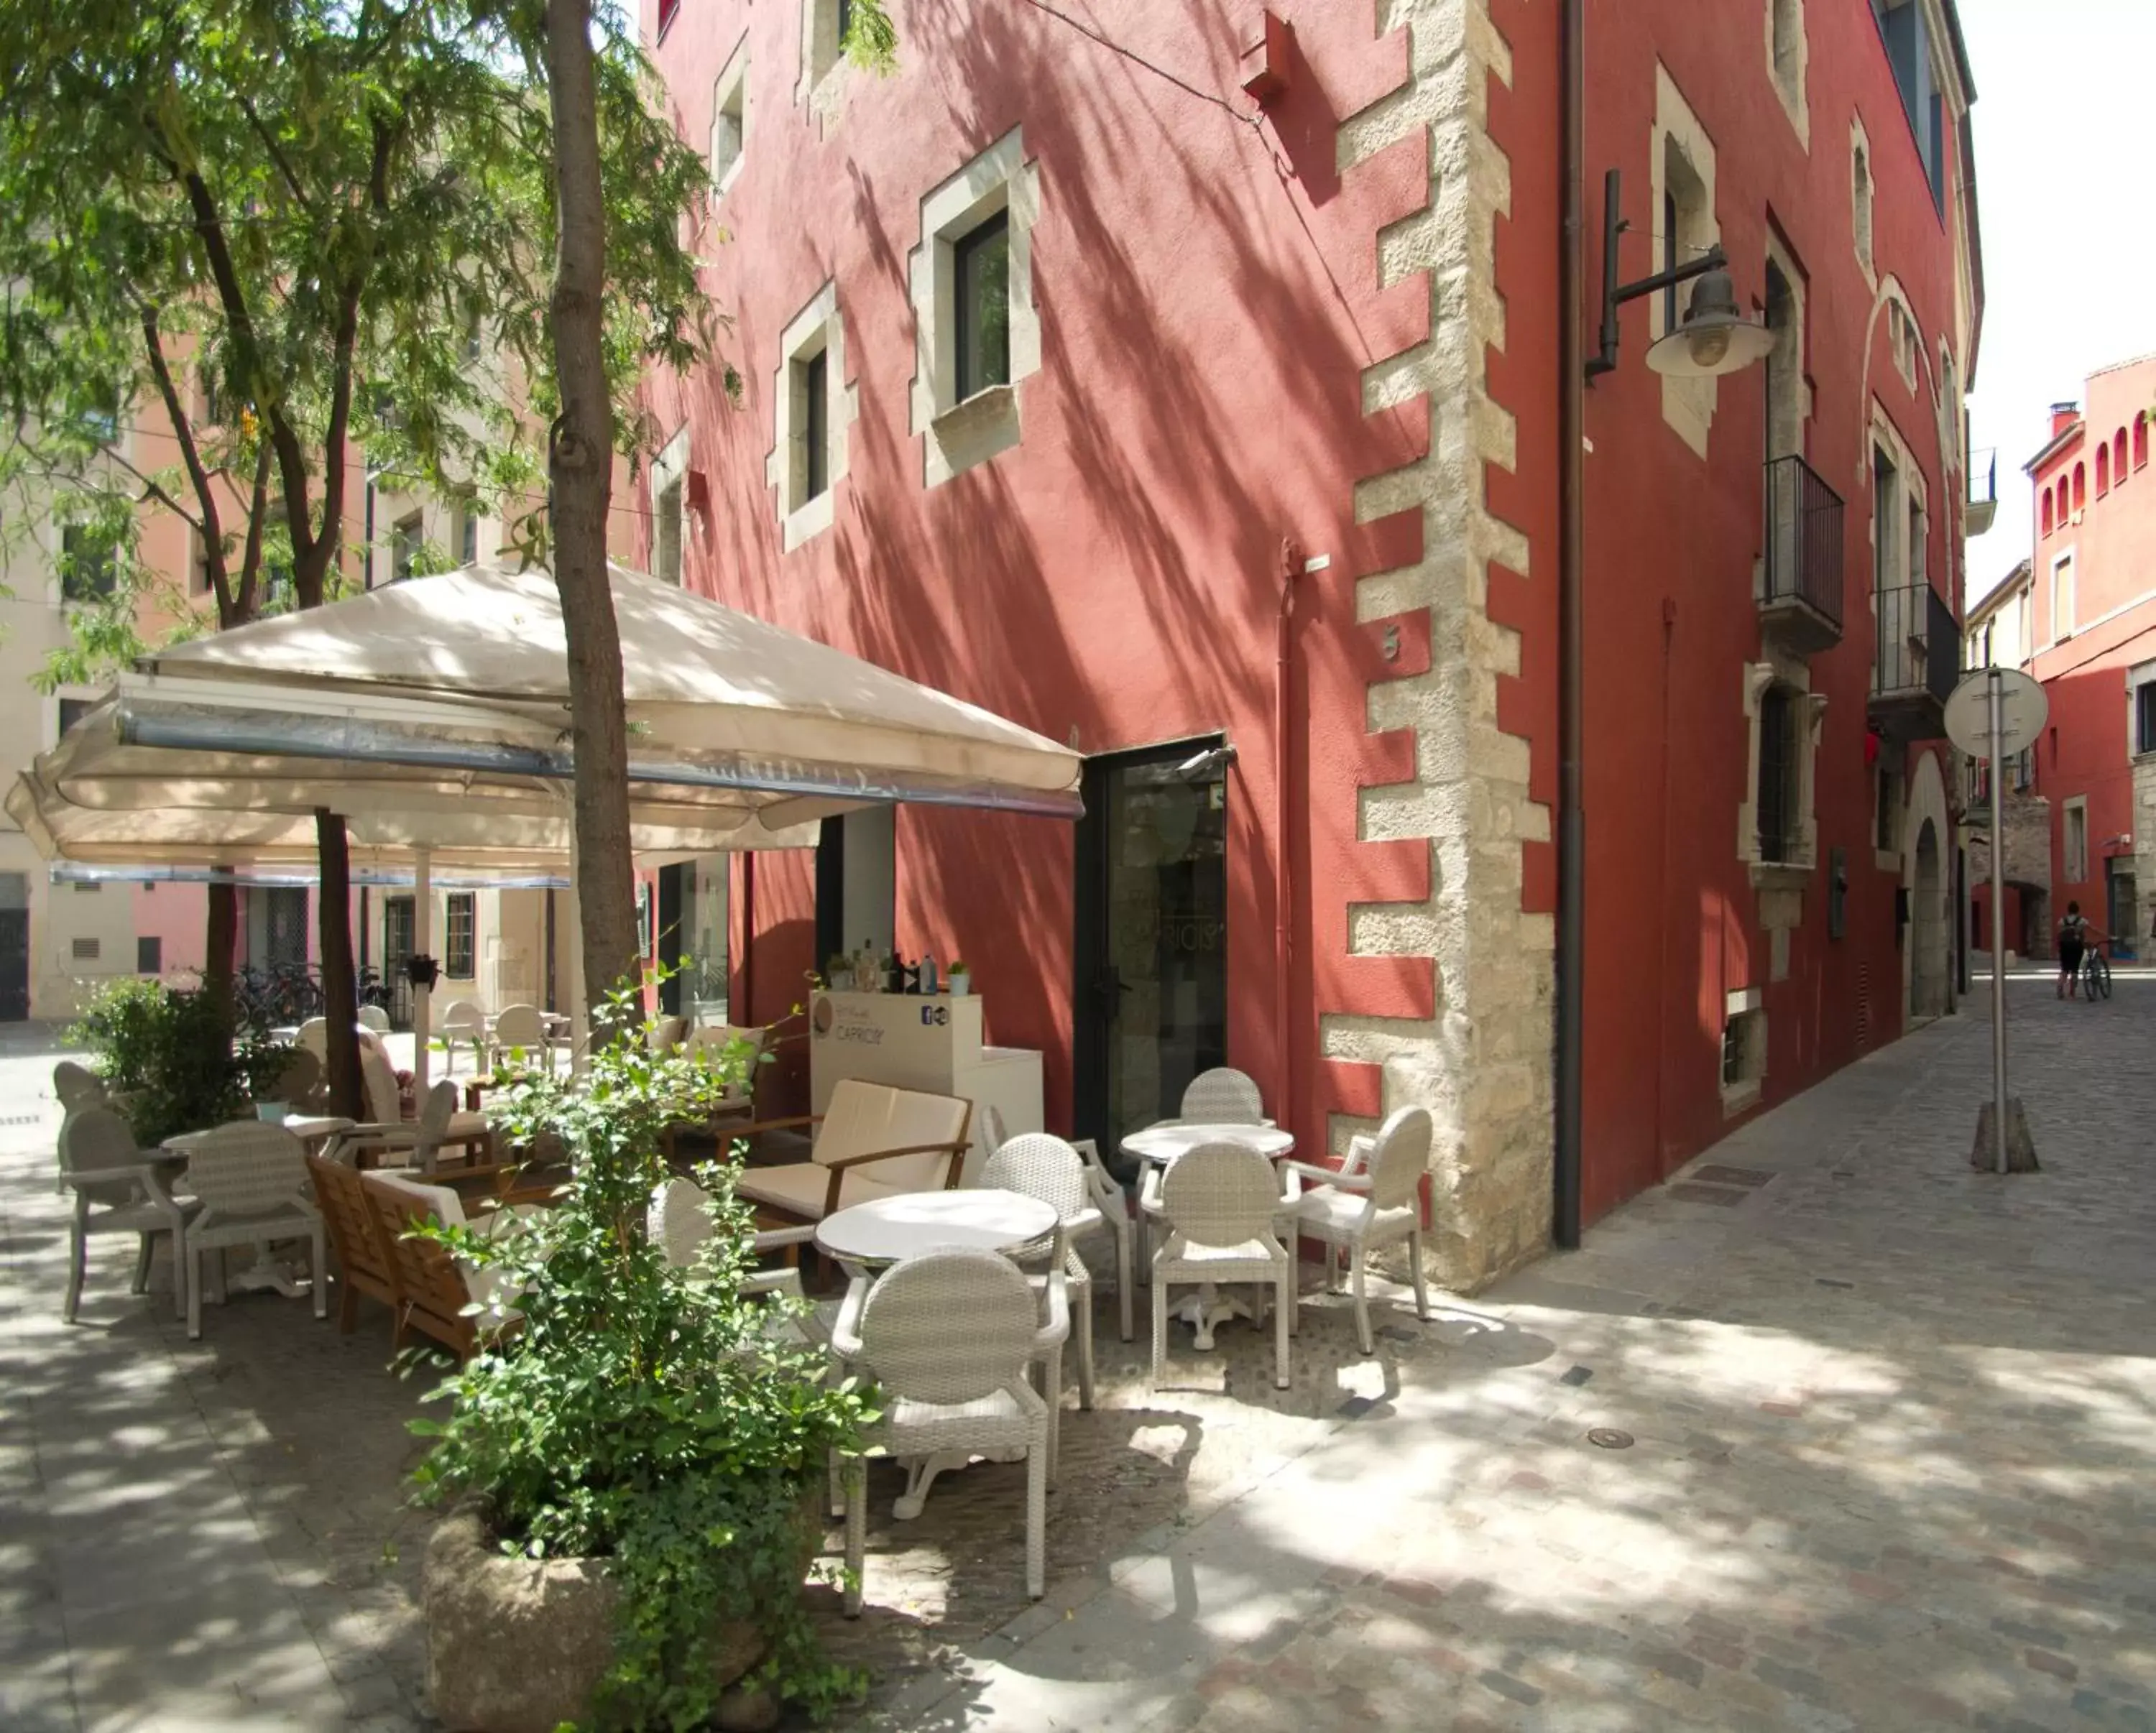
{"points": [[1998, 929]]}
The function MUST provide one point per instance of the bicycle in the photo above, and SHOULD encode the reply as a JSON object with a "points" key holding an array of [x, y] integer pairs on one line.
{"points": [[2096, 971]]}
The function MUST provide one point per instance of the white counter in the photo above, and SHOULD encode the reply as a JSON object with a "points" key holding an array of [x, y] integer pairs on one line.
{"points": [[930, 1044]]}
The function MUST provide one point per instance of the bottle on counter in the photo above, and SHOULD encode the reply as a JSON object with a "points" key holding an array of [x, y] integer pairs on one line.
{"points": [[928, 976]]}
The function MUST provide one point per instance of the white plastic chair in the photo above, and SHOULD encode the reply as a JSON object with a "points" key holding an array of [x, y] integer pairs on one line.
{"points": [[77, 1086], [1109, 1197], [521, 1029], [374, 1018], [1374, 1201], [1037, 1165], [117, 1190], [948, 1338], [251, 1181], [1217, 1204], [463, 1021]]}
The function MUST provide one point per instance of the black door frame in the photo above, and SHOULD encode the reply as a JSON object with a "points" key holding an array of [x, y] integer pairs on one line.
{"points": [[1089, 1017]]}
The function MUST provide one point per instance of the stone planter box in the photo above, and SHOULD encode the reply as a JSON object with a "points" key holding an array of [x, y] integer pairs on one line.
{"points": [[517, 1645]]}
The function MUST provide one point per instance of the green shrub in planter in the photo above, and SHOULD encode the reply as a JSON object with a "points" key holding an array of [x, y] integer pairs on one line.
{"points": [[172, 1059], [640, 1415]]}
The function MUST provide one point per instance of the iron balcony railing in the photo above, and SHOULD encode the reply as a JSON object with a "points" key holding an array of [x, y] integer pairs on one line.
{"points": [[1803, 539], [1919, 643], [1983, 478]]}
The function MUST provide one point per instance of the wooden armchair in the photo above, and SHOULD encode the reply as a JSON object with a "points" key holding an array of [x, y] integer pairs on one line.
{"points": [[434, 1284], [364, 1266], [913, 1142]]}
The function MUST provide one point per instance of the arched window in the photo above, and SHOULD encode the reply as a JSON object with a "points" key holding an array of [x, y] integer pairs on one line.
{"points": [[2081, 486], [2141, 440], [2118, 457], [2102, 468], [2047, 511]]}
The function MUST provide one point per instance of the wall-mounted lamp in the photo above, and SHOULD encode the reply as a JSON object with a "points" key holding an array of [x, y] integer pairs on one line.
{"points": [[1712, 338]]}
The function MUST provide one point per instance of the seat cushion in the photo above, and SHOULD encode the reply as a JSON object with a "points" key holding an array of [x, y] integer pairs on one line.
{"points": [[1329, 1208], [997, 1419], [448, 1208], [865, 1117], [463, 1125], [800, 1188]]}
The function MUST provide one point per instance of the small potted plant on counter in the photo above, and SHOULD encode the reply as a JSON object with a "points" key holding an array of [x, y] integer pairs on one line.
{"points": [[961, 978]]}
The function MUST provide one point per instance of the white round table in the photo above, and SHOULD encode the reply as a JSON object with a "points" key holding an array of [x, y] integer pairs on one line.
{"points": [[886, 1230], [1164, 1146]]}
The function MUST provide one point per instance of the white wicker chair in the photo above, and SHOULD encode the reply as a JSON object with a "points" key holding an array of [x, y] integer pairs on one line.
{"points": [[374, 1018], [251, 1181], [1040, 1166], [462, 1021], [1114, 1203], [77, 1086], [948, 1337], [1374, 1201], [1223, 1096], [117, 1190], [406, 1143], [1217, 1204]]}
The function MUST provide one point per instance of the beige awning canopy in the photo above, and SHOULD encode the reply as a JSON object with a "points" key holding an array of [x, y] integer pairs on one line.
{"points": [[432, 714]]}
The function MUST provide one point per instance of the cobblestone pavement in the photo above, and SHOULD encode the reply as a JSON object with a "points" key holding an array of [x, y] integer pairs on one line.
{"points": [[1890, 1468]]}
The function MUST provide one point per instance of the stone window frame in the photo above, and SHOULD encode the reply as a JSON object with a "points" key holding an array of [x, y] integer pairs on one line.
{"points": [[1791, 271], [1889, 798], [667, 488], [1688, 404], [1910, 487], [817, 328], [1793, 673], [2064, 560], [729, 119], [957, 436], [1904, 335], [822, 84], [2139, 678], [1863, 190], [1743, 1020], [2076, 807], [1788, 50]]}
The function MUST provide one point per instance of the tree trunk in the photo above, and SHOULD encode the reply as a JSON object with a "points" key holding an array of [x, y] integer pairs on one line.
{"points": [[580, 460], [220, 939], [340, 993]]}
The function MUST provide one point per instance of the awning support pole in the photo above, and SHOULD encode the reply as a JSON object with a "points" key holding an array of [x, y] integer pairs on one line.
{"points": [[422, 942]]}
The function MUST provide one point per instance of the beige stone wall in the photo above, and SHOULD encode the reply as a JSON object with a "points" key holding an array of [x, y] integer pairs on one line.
{"points": [[2027, 820], [1483, 1065]]}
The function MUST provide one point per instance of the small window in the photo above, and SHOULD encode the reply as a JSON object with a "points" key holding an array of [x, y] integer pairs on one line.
{"points": [[669, 10], [1860, 178], [2102, 470], [460, 941], [812, 416], [90, 568], [1787, 40], [199, 563], [730, 121], [405, 541], [2081, 486], [1778, 839], [83, 951], [2077, 841], [981, 276], [2119, 458], [150, 956], [666, 533], [2063, 597], [1744, 1055], [74, 709], [466, 530], [87, 887], [643, 919], [472, 336], [2141, 440], [2047, 511], [1886, 813], [2144, 717]]}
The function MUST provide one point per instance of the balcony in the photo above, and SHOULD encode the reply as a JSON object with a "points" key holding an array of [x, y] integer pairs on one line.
{"points": [[1800, 586], [1916, 662], [1982, 505]]}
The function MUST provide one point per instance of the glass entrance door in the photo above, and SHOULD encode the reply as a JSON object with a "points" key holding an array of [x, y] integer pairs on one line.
{"points": [[1152, 1005]]}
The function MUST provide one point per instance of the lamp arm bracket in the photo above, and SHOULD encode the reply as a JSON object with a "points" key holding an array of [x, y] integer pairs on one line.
{"points": [[1713, 259]]}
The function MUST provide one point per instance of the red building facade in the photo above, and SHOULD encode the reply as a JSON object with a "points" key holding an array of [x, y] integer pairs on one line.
{"points": [[1183, 385], [2093, 645]]}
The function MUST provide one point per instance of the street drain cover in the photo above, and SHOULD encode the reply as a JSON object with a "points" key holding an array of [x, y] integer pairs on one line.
{"points": [[1608, 1438]]}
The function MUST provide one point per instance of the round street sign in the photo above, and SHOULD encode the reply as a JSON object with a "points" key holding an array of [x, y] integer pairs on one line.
{"points": [[2023, 711]]}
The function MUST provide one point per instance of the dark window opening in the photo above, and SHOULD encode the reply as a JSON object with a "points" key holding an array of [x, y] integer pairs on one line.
{"points": [[150, 956], [981, 266], [74, 709], [2144, 717], [815, 426], [1778, 775], [459, 946], [90, 568]]}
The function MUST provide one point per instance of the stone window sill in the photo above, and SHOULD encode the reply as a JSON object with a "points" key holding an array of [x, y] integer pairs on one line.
{"points": [[984, 408], [1741, 1097], [1779, 875]]}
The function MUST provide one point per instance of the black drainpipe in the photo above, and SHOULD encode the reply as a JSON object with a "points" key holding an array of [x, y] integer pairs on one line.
{"points": [[1571, 432]]}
